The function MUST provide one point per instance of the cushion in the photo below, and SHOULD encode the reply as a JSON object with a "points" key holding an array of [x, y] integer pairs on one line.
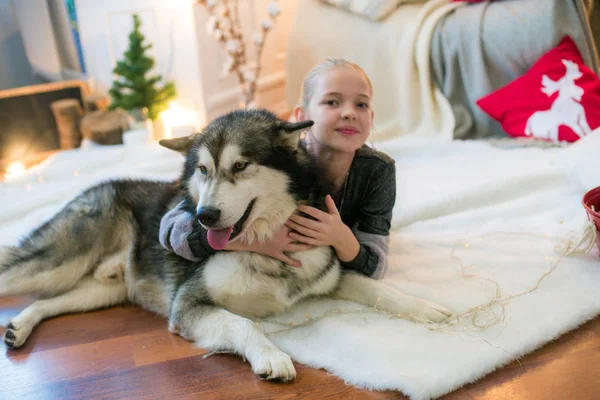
{"points": [[557, 99], [375, 10]]}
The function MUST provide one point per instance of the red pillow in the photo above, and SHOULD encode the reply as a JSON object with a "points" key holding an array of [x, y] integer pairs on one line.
{"points": [[558, 99]]}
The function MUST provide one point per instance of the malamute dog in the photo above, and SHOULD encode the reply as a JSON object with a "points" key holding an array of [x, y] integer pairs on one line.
{"points": [[244, 175]]}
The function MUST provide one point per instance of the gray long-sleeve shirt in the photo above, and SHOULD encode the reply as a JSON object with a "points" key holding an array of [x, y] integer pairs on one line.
{"points": [[365, 203]]}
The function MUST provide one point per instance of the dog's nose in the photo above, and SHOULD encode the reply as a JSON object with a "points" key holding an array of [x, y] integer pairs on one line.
{"points": [[208, 215]]}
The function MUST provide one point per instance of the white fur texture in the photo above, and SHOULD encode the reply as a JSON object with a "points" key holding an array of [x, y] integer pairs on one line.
{"points": [[446, 192]]}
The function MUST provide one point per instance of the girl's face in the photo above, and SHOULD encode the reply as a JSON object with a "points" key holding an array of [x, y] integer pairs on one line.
{"points": [[340, 107]]}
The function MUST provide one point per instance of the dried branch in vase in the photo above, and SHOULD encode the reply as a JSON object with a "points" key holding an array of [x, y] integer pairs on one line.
{"points": [[224, 24]]}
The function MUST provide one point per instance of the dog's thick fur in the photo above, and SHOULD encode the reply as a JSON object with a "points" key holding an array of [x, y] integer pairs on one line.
{"points": [[248, 168]]}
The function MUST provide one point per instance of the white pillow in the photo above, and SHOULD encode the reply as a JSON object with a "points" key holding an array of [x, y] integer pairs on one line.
{"points": [[581, 161]]}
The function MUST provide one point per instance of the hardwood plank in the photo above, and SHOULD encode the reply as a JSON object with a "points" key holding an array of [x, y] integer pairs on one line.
{"points": [[217, 377], [69, 362], [69, 330], [163, 346], [128, 352], [566, 368]]}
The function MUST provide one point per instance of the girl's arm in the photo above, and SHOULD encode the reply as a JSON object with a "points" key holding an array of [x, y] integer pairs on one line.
{"points": [[373, 224], [182, 235], [371, 259], [328, 229], [363, 249]]}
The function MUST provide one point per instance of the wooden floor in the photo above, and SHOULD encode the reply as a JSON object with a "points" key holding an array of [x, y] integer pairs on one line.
{"points": [[126, 352]]}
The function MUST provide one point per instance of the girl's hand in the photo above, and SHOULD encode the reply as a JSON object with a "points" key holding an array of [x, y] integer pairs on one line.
{"points": [[323, 231], [327, 230], [276, 247]]}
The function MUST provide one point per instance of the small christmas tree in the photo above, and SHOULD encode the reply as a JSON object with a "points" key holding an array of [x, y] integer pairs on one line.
{"points": [[132, 89]]}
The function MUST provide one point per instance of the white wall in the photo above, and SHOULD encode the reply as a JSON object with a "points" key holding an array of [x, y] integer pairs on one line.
{"points": [[15, 69], [183, 50], [35, 24], [168, 25]]}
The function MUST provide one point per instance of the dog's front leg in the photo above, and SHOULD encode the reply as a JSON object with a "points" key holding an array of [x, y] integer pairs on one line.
{"points": [[363, 290], [216, 329]]}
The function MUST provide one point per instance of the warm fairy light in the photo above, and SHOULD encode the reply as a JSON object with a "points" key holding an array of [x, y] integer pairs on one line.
{"points": [[176, 117], [76, 173], [14, 169]]}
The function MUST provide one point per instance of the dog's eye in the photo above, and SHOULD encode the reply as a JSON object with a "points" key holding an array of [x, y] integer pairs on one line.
{"points": [[202, 169], [240, 166]]}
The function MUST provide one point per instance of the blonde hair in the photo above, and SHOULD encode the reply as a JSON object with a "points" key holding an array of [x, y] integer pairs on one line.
{"points": [[319, 69]]}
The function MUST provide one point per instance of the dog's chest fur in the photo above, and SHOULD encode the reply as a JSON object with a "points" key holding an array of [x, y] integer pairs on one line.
{"points": [[253, 285]]}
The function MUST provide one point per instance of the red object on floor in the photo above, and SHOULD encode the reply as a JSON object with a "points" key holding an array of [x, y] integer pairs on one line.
{"points": [[592, 199]]}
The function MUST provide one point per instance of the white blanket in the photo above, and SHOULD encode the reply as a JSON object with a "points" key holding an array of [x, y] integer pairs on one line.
{"points": [[448, 195], [394, 53]]}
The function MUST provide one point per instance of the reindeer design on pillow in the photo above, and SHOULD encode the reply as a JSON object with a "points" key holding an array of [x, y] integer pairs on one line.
{"points": [[566, 109]]}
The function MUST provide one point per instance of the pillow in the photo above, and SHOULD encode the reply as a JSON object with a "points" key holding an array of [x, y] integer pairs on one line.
{"points": [[558, 99], [375, 10]]}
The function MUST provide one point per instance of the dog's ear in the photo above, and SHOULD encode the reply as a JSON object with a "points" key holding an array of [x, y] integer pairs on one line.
{"points": [[289, 133], [296, 126], [181, 145]]}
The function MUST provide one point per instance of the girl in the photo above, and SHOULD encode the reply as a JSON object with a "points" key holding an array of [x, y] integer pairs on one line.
{"points": [[336, 95]]}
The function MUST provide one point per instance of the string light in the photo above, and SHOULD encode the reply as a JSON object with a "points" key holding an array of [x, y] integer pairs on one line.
{"points": [[474, 319], [15, 169]]}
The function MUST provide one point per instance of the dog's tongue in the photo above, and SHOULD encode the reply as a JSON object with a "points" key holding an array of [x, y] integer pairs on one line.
{"points": [[217, 238]]}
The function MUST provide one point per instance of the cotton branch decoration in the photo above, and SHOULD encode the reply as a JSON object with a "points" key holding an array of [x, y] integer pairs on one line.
{"points": [[224, 24]]}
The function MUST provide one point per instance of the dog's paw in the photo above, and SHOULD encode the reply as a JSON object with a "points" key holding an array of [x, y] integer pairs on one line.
{"points": [[274, 365], [174, 328], [429, 311], [417, 308], [16, 333]]}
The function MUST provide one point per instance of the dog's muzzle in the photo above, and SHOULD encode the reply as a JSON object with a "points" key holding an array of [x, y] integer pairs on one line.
{"points": [[208, 216], [218, 237]]}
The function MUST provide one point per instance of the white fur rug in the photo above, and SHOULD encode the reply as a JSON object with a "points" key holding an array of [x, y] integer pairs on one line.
{"points": [[525, 199]]}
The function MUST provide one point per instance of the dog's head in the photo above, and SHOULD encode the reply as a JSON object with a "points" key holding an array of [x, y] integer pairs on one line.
{"points": [[245, 174]]}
